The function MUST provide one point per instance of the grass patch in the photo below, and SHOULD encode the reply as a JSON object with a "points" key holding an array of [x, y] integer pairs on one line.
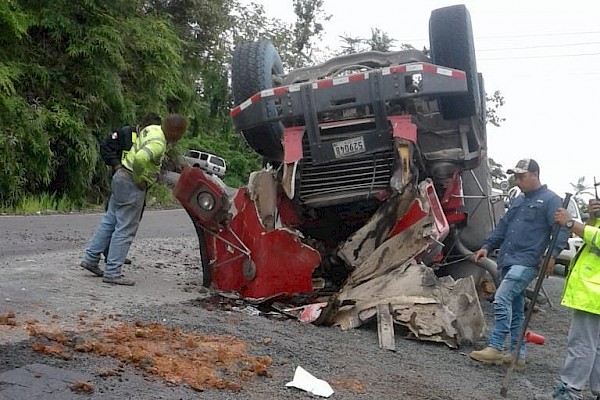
{"points": [[44, 204], [158, 196], [161, 196]]}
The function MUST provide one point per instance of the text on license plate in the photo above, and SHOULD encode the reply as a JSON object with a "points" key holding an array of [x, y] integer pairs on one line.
{"points": [[349, 147]]}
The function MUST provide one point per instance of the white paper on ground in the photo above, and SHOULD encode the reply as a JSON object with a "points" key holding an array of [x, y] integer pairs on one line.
{"points": [[305, 381]]}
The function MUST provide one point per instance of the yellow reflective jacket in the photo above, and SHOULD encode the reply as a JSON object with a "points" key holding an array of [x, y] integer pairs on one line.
{"points": [[145, 157], [125, 152], [582, 289]]}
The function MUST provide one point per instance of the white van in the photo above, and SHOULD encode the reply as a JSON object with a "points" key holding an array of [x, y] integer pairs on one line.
{"points": [[210, 163]]}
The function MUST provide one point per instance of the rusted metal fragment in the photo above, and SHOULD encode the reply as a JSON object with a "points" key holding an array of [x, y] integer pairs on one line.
{"points": [[416, 216], [262, 189], [364, 241], [432, 309], [390, 255]]}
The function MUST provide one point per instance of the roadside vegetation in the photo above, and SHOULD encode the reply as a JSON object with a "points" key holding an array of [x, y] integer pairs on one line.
{"points": [[71, 72]]}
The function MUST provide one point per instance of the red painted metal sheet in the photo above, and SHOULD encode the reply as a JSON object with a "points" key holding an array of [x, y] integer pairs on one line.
{"points": [[402, 127], [283, 264], [292, 143]]}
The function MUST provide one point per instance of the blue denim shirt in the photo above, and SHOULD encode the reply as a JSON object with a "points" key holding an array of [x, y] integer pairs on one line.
{"points": [[524, 231]]}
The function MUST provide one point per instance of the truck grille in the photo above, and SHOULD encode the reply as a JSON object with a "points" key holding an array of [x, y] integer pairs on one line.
{"points": [[345, 180]]}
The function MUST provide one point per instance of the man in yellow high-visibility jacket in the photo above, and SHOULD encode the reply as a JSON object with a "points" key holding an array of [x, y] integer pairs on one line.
{"points": [[140, 170], [582, 294], [115, 147]]}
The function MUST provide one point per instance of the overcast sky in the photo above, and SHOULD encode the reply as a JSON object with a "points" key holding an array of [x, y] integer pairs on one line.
{"points": [[544, 56]]}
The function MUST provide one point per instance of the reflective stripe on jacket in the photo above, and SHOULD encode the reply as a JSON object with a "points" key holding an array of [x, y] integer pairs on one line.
{"points": [[145, 157], [582, 289]]}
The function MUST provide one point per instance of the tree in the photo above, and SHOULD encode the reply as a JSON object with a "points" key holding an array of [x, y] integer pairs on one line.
{"points": [[494, 102], [307, 28], [380, 41], [350, 45], [72, 71], [580, 190], [497, 173]]}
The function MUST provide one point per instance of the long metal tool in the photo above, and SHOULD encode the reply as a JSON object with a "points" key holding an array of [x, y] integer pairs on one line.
{"points": [[536, 291]]}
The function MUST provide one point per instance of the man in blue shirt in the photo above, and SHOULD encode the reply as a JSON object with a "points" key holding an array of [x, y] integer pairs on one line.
{"points": [[522, 236]]}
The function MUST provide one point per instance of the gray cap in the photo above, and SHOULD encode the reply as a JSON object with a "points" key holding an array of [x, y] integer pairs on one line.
{"points": [[525, 165]]}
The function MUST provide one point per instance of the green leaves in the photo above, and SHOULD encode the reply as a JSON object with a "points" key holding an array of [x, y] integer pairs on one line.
{"points": [[13, 22]]}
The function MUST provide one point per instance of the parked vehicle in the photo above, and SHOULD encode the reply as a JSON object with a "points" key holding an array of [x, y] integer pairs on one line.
{"points": [[377, 168], [208, 162]]}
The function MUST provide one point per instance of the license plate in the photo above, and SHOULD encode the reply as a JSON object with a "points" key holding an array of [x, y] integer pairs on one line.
{"points": [[348, 147]]}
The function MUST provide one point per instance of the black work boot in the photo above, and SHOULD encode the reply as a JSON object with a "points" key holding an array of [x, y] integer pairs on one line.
{"points": [[94, 269]]}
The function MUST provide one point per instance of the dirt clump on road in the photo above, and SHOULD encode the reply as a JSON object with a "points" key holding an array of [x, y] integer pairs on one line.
{"points": [[199, 360]]}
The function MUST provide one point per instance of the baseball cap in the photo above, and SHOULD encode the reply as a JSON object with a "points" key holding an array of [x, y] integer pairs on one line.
{"points": [[525, 165]]}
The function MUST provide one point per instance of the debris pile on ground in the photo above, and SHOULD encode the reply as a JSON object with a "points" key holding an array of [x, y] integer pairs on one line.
{"points": [[201, 361], [82, 387], [8, 319]]}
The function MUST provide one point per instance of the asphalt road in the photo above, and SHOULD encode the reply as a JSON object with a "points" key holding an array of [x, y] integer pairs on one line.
{"points": [[42, 284], [20, 235]]}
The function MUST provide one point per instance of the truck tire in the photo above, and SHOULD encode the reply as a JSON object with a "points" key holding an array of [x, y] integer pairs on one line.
{"points": [[452, 45], [202, 245], [253, 68]]}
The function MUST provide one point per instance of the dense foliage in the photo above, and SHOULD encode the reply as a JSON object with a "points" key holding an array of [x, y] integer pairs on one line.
{"points": [[71, 71]]}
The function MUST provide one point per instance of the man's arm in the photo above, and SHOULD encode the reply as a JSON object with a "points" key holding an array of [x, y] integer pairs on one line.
{"points": [[151, 152], [589, 234], [110, 151]]}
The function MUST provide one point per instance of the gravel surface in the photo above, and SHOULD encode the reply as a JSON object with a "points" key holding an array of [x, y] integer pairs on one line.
{"points": [[43, 282]]}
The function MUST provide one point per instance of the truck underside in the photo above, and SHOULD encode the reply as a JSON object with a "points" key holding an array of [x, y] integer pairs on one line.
{"points": [[375, 190]]}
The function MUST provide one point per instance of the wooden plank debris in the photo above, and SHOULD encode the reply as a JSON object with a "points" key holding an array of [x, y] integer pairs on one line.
{"points": [[385, 327]]}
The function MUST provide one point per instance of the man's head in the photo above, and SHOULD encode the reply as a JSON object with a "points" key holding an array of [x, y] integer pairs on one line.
{"points": [[527, 174], [150, 119], [174, 127]]}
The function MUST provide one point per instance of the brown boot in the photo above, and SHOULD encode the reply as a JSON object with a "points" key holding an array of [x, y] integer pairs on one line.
{"points": [[519, 366], [489, 355]]}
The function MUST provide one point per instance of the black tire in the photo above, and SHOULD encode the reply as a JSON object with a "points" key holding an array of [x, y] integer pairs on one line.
{"points": [[206, 269], [452, 45], [253, 67]]}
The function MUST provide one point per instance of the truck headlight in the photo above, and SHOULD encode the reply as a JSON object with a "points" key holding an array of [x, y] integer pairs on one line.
{"points": [[206, 201]]}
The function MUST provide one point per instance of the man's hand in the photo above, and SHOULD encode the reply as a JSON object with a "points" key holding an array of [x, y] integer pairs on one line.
{"points": [[550, 267], [480, 253], [562, 216], [141, 185]]}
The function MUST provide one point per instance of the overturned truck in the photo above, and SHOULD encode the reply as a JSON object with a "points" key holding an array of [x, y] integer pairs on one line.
{"points": [[375, 189]]}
